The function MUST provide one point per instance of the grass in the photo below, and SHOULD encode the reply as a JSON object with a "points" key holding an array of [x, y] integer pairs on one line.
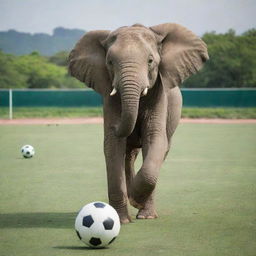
{"points": [[205, 194], [226, 113], [53, 112]]}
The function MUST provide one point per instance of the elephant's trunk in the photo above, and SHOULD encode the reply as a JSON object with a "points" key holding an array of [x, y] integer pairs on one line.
{"points": [[130, 95]]}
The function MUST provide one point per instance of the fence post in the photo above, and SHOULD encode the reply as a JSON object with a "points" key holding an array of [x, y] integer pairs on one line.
{"points": [[10, 103]]}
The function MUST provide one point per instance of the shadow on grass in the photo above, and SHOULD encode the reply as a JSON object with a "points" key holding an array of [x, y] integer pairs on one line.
{"points": [[37, 220], [79, 248]]}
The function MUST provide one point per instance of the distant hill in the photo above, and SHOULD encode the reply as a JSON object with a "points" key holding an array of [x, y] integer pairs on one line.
{"points": [[19, 43]]}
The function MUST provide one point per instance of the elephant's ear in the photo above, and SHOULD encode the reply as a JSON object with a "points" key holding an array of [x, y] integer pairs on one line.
{"points": [[87, 61], [182, 53]]}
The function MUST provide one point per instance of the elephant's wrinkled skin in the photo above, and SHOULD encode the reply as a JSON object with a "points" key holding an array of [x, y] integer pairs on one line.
{"points": [[137, 70]]}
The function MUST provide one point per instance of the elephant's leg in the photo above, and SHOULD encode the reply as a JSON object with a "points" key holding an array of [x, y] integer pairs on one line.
{"points": [[131, 155], [174, 112], [114, 149], [155, 148], [142, 195]]}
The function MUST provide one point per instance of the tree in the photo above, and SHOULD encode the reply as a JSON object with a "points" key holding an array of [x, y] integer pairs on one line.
{"points": [[33, 71], [10, 77], [60, 58], [232, 61]]}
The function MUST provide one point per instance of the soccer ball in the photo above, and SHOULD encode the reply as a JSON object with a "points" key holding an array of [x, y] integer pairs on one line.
{"points": [[97, 224], [27, 151]]}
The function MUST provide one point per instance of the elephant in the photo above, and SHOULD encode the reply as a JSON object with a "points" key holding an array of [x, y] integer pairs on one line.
{"points": [[137, 70]]}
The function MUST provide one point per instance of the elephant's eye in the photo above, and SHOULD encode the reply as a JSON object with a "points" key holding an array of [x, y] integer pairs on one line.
{"points": [[109, 62], [150, 61]]}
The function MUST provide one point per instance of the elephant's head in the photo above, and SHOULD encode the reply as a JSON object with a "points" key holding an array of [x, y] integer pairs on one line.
{"points": [[128, 61]]}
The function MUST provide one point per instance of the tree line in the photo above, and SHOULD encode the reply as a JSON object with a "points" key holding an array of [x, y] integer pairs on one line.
{"points": [[232, 64]]}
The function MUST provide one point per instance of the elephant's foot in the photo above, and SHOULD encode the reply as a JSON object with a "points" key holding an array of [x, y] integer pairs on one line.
{"points": [[147, 213], [124, 216], [146, 207], [125, 220]]}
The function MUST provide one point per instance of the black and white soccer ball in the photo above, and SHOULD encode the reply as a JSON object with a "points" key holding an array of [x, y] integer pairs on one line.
{"points": [[27, 151], [97, 224]]}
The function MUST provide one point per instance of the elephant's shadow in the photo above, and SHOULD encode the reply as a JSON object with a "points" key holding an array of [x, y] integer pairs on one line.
{"points": [[37, 220]]}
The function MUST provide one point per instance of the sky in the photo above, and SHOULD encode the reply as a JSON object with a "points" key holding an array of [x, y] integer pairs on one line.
{"points": [[200, 16]]}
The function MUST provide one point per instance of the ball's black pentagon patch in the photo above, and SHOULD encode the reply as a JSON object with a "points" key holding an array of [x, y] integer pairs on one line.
{"points": [[87, 221], [99, 205], [112, 240], [27, 147], [22, 150], [78, 235], [108, 223], [95, 241], [27, 153]]}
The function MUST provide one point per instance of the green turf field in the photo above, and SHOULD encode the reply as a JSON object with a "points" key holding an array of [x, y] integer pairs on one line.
{"points": [[52, 112], [206, 194]]}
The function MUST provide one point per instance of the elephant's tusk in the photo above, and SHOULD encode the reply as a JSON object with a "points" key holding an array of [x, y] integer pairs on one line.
{"points": [[144, 93], [113, 92]]}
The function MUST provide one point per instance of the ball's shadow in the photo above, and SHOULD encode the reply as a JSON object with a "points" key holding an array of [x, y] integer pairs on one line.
{"points": [[82, 248], [43, 220], [37, 220]]}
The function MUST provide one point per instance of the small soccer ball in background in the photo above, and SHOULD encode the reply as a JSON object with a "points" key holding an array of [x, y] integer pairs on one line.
{"points": [[27, 151], [97, 224]]}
